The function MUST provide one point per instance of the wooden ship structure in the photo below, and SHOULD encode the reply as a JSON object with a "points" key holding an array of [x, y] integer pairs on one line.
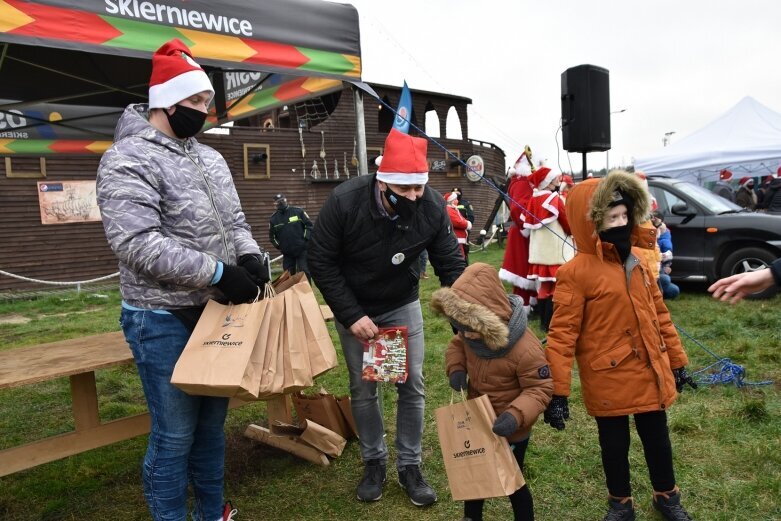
{"points": [[303, 150]]}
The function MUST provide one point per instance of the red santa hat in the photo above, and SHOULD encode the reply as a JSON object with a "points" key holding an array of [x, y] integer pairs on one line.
{"points": [[778, 172], [450, 197], [744, 181], [567, 180], [404, 160], [175, 76], [542, 177], [725, 175]]}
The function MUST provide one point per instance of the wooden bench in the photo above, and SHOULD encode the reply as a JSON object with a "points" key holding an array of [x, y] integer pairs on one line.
{"points": [[78, 359]]}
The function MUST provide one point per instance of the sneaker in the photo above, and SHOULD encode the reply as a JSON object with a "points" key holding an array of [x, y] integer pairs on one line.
{"points": [[669, 505], [413, 483], [228, 512], [370, 487], [620, 509]]}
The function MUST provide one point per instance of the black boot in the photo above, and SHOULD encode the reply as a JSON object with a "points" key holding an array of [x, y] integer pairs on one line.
{"points": [[620, 509], [669, 505]]}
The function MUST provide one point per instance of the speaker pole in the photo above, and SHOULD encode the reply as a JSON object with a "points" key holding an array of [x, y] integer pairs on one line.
{"points": [[585, 172]]}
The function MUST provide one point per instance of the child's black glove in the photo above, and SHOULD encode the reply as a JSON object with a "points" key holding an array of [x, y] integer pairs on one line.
{"points": [[257, 269], [557, 412], [458, 380], [505, 424], [682, 378]]}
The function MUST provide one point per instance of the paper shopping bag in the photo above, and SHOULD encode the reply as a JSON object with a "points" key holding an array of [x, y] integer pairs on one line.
{"points": [[322, 355], [313, 434], [345, 407], [298, 372], [216, 358], [479, 464], [271, 335], [321, 408]]}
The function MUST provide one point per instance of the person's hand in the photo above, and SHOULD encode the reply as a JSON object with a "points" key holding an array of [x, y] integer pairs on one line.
{"points": [[667, 270], [682, 378], [257, 270], [458, 380], [364, 329], [734, 288], [557, 412], [505, 424], [236, 285], [468, 226]]}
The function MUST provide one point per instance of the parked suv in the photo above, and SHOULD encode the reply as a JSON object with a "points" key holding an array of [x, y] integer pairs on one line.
{"points": [[712, 237]]}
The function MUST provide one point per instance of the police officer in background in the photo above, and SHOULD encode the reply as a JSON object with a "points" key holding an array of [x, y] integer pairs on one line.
{"points": [[465, 209], [289, 230]]}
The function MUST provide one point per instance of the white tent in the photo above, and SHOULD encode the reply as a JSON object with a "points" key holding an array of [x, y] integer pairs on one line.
{"points": [[745, 140]]}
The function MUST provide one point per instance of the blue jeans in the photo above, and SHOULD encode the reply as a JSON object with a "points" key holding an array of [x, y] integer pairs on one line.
{"points": [[423, 259], [187, 440], [669, 290], [409, 409]]}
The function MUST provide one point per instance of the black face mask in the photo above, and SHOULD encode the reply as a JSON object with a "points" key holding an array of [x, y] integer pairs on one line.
{"points": [[185, 121], [620, 238], [403, 207], [281, 205]]}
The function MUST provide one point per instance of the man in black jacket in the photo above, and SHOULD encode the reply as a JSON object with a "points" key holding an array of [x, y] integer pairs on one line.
{"points": [[289, 230], [363, 256]]}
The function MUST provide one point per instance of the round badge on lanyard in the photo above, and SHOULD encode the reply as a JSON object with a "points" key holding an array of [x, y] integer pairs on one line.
{"points": [[397, 259]]}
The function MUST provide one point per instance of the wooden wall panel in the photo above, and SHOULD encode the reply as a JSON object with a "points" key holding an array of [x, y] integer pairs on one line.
{"points": [[79, 251]]}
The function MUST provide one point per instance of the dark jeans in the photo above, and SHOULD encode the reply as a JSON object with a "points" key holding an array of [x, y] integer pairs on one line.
{"points": [[521, 499], [295, 263], [187, 442], [614, 442]]}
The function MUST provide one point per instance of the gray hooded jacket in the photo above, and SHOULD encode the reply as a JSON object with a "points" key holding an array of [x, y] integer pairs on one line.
{"points": [[170, 211]]}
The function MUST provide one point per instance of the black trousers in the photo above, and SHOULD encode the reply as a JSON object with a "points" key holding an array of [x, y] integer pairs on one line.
{"points": [[521, 499], [294, 264], [614, 442]]}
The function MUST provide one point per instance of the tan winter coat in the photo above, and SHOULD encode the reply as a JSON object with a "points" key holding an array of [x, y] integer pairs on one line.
{"points": [[610, 318], [519, 381]]}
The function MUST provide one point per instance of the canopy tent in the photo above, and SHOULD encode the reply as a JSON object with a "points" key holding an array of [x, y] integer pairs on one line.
{"points": [[746, 140], [69, 67]]}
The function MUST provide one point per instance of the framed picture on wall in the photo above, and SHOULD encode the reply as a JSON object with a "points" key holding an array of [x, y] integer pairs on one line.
{"points": [[257, 161]]}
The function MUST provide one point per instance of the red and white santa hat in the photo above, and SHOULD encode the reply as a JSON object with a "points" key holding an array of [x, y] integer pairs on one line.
{"points": [[725, 175], [175, 76], [745, 181], [404, 161], [450, 197], [542, 177]]}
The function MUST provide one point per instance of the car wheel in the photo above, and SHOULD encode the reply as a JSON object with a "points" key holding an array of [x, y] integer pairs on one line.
{"points": [[749, 259]]}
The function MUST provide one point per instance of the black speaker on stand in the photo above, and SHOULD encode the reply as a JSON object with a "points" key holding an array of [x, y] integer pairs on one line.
{"points": [[585, 110]]}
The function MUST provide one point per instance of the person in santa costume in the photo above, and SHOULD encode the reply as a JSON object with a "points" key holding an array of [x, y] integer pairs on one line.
{"points": [[549, 244], [461, 225], [515, 265], [174, 220], [746, 196]]}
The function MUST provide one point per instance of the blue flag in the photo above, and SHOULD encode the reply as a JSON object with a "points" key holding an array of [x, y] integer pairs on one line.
{"points": [[404, 112]]}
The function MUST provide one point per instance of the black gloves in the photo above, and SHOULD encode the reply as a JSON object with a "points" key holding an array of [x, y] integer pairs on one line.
{"points": [[458, 380], [682, 378], [505, 424], [557, 412], [258, 271], [236, 285]]}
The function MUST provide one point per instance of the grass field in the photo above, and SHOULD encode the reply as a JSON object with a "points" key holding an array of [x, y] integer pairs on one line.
{"points": [[726, 441]]}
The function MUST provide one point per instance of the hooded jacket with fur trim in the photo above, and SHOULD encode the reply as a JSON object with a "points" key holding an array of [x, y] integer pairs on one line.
{"points": [[519, 381], [609, 316]]}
